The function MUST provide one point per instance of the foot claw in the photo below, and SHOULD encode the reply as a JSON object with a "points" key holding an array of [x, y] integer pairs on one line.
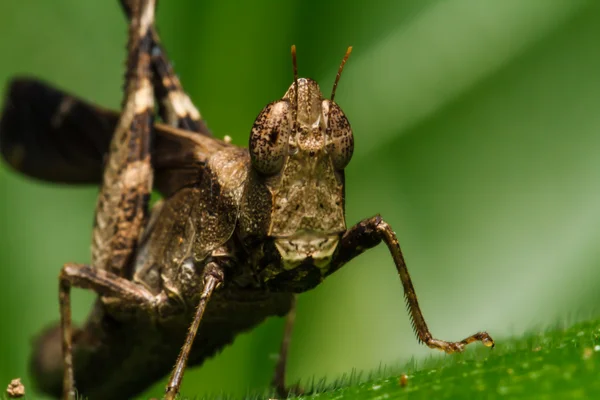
{"points": [[487, 340]]}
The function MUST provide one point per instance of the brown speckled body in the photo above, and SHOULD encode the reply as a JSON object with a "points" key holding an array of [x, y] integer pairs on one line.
{"points": [[237, 234], [217, 206]]}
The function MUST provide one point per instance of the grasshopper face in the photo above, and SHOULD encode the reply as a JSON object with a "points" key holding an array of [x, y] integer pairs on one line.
{"points": [[303, 142]]}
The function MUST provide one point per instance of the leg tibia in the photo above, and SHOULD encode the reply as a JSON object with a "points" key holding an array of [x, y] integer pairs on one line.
{"points": [[369, 233]]}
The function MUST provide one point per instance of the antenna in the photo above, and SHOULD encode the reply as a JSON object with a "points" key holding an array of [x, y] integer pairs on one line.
{"points": [[337, 78], [295, 66]]}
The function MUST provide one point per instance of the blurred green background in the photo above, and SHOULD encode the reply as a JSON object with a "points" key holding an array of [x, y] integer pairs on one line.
{"points": [[477, 130]]}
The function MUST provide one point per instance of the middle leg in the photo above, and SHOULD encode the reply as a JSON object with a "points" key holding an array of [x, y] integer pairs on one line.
{"points": [[280, 368], [213, 278]]}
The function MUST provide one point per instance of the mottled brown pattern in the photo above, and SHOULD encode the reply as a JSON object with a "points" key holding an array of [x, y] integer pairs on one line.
{"points": [[269, 137], [340, 143], [307, 195], [237, 233], [174, 105], [73, 151], [123, 199], [192, 224]]}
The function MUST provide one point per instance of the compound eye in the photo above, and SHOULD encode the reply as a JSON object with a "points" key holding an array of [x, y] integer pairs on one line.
{"points": [[269, 137], [340, 144]]}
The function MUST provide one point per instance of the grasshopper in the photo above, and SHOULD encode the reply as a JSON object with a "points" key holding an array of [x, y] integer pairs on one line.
{"points": [[239, 232]]}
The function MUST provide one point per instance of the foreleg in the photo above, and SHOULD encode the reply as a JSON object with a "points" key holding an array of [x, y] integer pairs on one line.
{"points": [[369, 233]]}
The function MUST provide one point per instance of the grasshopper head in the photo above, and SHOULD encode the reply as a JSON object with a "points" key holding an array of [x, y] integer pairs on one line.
{"points": [[302, 143]]}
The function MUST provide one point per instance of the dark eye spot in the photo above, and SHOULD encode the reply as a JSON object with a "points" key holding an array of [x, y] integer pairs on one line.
{"points": [[297, 207], [273, 136]]}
